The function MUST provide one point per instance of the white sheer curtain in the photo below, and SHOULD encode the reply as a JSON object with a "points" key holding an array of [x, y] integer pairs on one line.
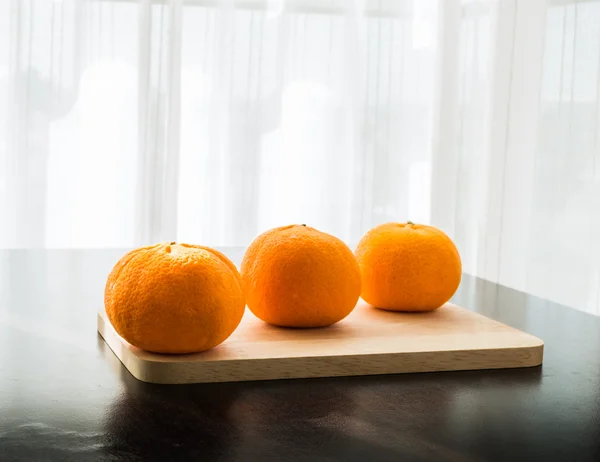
{"points": [[131, 122], [126, 122]]}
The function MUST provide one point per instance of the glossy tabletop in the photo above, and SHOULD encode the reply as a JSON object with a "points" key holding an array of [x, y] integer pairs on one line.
{"points": [[64, 396]]}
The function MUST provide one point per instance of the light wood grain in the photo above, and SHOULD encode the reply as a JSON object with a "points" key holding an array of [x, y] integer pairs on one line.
{"points": [[367, 342]]}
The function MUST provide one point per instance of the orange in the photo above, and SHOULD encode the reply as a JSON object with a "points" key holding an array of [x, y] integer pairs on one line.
{"points": [[297, 276], [408, 267], [174, 298]]}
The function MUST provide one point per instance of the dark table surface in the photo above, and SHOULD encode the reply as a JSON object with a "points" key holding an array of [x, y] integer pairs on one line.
{"points": [[64, 396]]}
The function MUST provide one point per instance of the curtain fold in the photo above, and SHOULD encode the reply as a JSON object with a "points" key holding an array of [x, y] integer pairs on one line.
{"points": [[159, 116], [129, 122]]}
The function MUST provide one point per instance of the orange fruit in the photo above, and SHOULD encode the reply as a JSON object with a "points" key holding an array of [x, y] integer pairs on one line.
{"points": [[408, 267], [297, 276], [174, 298]]}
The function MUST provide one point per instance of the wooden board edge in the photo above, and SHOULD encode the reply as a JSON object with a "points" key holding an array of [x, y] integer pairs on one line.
{"points": [[133, 363], [298, 368]]}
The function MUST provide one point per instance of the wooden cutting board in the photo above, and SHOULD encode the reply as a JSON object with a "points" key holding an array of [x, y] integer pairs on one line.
{"points": [[369, 341]]}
